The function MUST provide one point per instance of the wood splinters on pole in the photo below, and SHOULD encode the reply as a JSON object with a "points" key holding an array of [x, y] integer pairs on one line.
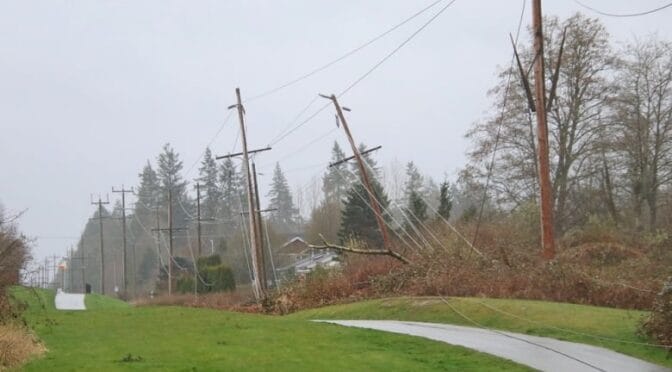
{"points": [[377, 252]]}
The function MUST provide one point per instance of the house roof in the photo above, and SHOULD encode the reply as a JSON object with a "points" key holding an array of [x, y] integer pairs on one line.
{"points": [[293, 240]]}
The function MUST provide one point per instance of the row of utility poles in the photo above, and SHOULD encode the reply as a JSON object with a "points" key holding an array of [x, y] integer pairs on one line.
{"points": [[260, 283]]}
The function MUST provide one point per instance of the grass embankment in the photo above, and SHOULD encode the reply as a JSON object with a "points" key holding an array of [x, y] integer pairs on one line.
{"points": [[576, 321], [112, 335]]}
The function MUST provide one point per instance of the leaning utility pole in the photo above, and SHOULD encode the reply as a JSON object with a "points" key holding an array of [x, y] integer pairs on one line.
{"points": [[258, 284], [123, 192], [546, 197], [260, 239], [365, 176], [102, 250]]}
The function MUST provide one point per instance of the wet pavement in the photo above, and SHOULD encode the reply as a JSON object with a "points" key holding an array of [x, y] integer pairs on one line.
{"points": [[545, 354]]}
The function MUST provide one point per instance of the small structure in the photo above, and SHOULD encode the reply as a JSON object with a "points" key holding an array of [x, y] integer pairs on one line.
{"points": [[295, 257]]}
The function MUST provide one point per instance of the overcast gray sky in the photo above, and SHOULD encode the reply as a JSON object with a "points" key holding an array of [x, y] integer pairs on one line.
{"points": [[90, 90]]}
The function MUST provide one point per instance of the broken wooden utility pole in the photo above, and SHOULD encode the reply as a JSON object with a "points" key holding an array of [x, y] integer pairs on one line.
{"points": [[259, 282], [102, 250], [546, 197], [123, 192], [365, 175]]}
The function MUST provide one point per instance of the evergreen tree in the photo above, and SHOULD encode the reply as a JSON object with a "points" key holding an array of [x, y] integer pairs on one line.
{"points": [[143, 219], [413, 194], [336, 181], [169, 169], [281, 199], [414, 182], [358, 219], [445, 201], [230, 189], [417, 207], [148, 191], [211, 194]]}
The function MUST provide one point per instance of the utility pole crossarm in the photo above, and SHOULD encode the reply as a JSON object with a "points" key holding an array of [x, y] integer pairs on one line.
{"points": [[241, 153], [353, 156]]}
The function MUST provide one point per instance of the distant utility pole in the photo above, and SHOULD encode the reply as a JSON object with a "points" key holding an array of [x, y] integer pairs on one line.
{"points": [[55, 271], [365, 175], [123, 192], [259, 282], [82, 269], [69, 270], [170, 230], [546, 197], [45, 276], [102, 250]]}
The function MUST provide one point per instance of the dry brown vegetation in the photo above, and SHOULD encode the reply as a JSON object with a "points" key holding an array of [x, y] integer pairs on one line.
{"points": [[598, 265], [17, 345]]}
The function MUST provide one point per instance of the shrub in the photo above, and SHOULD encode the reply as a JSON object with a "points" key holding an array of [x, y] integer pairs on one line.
{"points": [[217, 279], [659, 324]]}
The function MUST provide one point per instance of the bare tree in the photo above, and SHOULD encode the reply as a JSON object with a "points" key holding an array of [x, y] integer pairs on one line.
{"points": [[643, 114], [574, 118]]}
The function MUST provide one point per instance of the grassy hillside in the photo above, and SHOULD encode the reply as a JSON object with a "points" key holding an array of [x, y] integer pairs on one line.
{"points": [[114, 336], [586, 324]]}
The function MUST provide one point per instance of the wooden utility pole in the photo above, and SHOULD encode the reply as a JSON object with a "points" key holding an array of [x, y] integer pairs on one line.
{"points": [[258, 284], [170, 230], [54, 264], [365, 175], [546, 197], [123, 192], [102, 250], [81, 259], [260, 238], [198, 218], [69, 269]]}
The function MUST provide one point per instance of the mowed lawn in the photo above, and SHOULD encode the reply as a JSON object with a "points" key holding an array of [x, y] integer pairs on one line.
{"points": [[114, 336], [613, 329]]}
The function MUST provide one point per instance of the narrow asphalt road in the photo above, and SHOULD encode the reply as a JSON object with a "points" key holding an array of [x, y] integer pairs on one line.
{"points": [[69, 301], [541, 353]]}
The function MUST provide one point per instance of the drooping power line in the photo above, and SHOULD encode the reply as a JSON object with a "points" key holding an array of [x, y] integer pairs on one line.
{"points": [[624, 15]]}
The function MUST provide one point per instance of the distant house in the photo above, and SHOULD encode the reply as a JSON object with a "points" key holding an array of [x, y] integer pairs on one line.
{"points": [[295, 257]]}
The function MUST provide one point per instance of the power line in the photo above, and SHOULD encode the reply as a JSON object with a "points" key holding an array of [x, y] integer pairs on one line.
{"points": [[344, 56], [212, 140], [368, 72], [624, 15], [395, 50], [508, 335], [500, 120], [294, 120]]}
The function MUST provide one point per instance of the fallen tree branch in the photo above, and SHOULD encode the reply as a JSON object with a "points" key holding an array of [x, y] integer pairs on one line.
{"points": [[379, 252]]}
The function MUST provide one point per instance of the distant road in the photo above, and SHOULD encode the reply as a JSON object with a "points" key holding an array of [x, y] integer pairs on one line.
{"points": [[69, 301], [545, 354]]}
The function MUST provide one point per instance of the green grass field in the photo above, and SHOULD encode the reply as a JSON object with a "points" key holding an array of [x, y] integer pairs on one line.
{"points": [[606, 323], [114, 336]]}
